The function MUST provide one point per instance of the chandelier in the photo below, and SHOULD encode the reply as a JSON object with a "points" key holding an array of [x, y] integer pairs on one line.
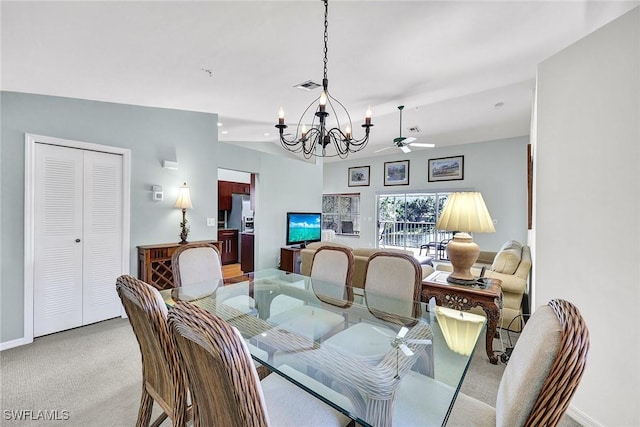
{"points": [[321, 139]]}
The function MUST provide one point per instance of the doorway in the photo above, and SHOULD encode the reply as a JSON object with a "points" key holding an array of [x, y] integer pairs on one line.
{"points": [[236, 219]]}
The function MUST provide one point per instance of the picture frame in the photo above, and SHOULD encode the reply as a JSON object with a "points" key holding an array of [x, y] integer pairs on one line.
{"points": [[446, 169], [359, 176], [396, 173]]}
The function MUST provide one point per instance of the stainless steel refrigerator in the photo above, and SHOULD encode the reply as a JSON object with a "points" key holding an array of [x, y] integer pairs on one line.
{"points": [[240, 211]]}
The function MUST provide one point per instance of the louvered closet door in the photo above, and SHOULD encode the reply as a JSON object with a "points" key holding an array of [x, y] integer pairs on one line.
{"points": [[102, 236], [58, 224], [78, 232]]}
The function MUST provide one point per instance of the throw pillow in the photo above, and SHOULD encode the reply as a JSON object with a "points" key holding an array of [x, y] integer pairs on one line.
{"points": [[508, 258]]}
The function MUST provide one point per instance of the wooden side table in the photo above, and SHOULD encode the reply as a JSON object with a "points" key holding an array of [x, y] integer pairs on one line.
{"points": [[460, 297]]}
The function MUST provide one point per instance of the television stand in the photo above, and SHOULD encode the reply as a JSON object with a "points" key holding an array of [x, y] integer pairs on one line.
{"points": [[290, 259]]}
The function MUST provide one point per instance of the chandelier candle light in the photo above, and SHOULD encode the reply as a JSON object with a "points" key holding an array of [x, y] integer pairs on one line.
{"points": [[184, 203], [316, 140], [465, 213]]}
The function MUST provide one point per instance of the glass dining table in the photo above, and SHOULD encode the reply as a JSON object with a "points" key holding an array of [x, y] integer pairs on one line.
{"points": [[365, 354]]}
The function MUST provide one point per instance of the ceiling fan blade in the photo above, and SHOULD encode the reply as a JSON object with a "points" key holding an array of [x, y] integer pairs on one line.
{"points": [[382, 149], [405, 149], [402, 332], [406, 350], [422, 144], [408, 140]]}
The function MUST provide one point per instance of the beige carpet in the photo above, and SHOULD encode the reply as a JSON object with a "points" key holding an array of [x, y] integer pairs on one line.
{"points": [[92, 376]]}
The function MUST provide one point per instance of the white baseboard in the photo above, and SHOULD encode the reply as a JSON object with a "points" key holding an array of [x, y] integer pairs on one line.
{"points": [[582, 418], [15, 343]]}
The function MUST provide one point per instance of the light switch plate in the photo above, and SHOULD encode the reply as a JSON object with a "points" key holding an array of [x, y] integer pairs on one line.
{"points": [[211, 222]]}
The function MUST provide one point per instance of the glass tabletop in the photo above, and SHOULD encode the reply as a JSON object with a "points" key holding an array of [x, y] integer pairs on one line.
{"points": [[379, 360]]}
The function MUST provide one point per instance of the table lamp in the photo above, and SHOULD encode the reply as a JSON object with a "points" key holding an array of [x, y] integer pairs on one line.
{"points": [[184, 203], [465, 213]]}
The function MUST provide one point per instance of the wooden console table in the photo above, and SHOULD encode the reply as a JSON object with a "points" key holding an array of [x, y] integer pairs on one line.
{"points": [[154, 263], [290, 259], [460, 297]]}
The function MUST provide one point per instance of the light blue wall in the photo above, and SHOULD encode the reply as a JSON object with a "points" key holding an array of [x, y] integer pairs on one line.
{"points": [[152, 135], [498, 169]]}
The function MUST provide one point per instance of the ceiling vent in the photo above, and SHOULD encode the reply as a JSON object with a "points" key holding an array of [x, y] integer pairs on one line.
{"points": [[308, 85], [414, 129]]}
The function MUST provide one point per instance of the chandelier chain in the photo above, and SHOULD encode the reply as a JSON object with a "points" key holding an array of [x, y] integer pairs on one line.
{"points": [[326, 35]]}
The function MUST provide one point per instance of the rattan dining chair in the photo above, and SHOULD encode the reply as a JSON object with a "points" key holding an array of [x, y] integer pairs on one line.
{"points": [[201, 264], [392, 286], [225, 387], [331, 274], [163, 379], [196, 263], [542, 375]]}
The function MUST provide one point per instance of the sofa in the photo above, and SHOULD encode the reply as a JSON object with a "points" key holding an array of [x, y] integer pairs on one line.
{"points": [[511, 264], [361, 256]]}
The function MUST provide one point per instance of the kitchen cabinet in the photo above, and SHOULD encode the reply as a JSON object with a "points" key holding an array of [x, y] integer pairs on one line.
{"points": [[246, 252], [229, 246], [226, 189]]}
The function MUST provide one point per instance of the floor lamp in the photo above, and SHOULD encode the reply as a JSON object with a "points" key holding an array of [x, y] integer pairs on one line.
{"points": [[465, 213]]}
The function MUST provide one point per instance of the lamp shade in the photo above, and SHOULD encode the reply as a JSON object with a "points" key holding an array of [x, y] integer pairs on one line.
{"points": [[184, 199], [465, 212], [460, 329]]}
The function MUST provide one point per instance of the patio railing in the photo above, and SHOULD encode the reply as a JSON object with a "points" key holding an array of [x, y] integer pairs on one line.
{"points": [[410, 235]]}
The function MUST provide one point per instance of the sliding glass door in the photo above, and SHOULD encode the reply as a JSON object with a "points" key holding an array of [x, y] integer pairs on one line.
{"points": [[407, 221]]}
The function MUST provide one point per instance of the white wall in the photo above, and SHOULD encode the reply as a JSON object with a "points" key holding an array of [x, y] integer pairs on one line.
{"points": [[588, 208], [495, 168], [233, 176]]}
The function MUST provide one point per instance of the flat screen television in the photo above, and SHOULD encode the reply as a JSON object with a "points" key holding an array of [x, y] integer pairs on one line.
{"points": [[303, 228]]}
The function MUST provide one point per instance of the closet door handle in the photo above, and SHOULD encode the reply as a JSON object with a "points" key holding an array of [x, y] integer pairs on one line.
{"points": [[77, 240]]}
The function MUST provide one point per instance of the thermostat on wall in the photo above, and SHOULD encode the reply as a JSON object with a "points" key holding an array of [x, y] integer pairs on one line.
{"points": [[157, 193]]}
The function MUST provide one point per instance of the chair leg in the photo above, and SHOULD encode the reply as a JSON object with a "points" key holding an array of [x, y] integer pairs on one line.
{"points": [[146, 406], [160, 420]]}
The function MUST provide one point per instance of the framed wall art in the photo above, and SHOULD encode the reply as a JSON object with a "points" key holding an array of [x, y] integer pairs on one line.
{"points": [[446, 169], [396, 173], [359, 176]]}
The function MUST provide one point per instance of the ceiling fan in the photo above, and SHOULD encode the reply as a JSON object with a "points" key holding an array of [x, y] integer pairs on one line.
{"points": [[403, 143]]}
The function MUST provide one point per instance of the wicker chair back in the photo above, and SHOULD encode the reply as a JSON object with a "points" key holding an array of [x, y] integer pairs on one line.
{"points": [[163, 380], [225, 388]]}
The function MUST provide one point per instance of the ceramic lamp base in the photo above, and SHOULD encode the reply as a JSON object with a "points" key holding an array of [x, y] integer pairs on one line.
{"points": [[463, 252]]}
